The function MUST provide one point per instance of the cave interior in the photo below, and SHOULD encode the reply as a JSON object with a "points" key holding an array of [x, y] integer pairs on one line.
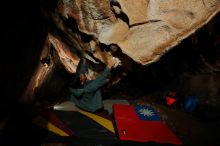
{"points": [[192, 68]]}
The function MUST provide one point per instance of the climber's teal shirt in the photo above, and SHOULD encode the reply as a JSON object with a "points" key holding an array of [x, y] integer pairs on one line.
{"points": [[89, 96]]}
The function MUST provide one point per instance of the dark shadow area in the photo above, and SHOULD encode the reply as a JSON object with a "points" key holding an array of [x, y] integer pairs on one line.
{"points": [[20, 129], [23, 33]]}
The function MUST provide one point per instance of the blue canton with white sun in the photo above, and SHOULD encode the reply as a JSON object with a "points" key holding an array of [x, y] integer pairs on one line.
{"points": [[146, 113]]}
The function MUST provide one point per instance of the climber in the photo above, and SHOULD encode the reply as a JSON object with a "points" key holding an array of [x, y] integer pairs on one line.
{"points": [[88, 95]]}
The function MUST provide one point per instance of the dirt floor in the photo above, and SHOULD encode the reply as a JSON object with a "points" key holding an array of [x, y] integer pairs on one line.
{"points": [[187, 127], [198, 128]]}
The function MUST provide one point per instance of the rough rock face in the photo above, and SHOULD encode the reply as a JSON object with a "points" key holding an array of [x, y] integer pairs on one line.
{"points": [[160, 25], [95, 18], [142, 30], [137, 11], [153, 26]]}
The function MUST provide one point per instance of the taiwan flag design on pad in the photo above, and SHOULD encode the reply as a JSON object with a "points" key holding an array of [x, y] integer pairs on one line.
{"points": [[142, 124]]}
